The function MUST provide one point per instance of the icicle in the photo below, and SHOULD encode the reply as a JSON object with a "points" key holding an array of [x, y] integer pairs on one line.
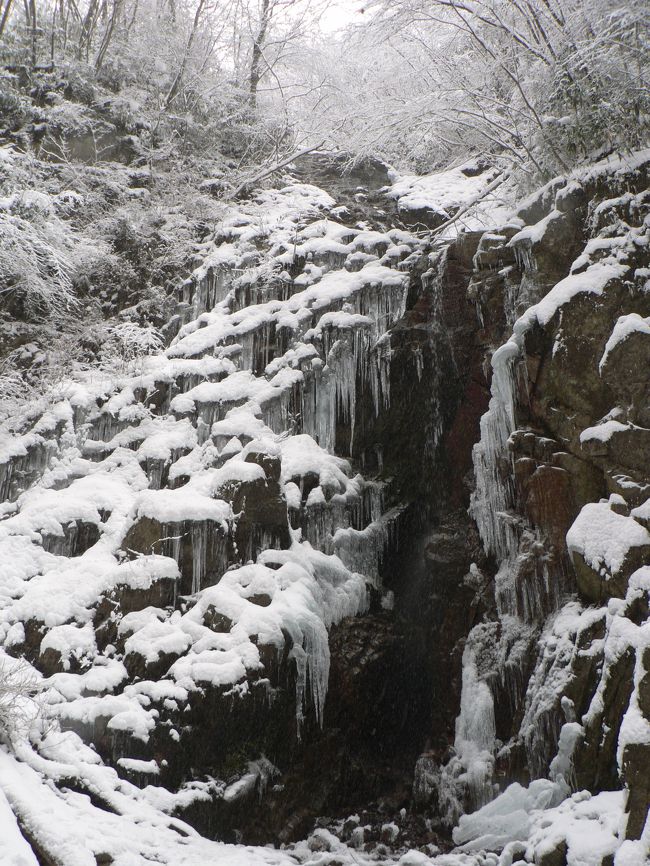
{"points": [[299, 655], [475, 731], [105, 426], [276, 411], [363, 550], [479, 313], [174, 534], [419, 363], [524, 256], [20, 472], [316, 406], [380, 374], [373, 501], [312, 657], [494, 494], [205, 292], [247, 360], [155, 469], [318, 664], [198, 555], [531, 582], [322, 519], [6, 473]]}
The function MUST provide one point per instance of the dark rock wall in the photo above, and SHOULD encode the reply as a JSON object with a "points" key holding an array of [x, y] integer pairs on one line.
{"points": [[470, 295], [563, 386]]}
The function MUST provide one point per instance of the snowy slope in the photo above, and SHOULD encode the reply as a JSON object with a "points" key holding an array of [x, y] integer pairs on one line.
{"points": [[183, 443]]}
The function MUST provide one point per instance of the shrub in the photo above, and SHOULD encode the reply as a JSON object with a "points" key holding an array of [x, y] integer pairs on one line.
{"points": [[19, 688]]}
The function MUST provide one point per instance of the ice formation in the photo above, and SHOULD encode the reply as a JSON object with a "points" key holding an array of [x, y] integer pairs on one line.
{"points": [[183, 529], [604, 539], [131, 493]]}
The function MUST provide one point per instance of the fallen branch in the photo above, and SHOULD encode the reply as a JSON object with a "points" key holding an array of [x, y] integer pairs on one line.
{"points": [[498, 180], [247, 184]]}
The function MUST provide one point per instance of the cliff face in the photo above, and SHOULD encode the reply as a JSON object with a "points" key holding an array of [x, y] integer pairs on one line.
{"points": [[369, 536], [561, 475]]}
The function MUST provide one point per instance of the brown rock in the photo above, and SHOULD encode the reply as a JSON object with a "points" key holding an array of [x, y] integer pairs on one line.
{"points": [[550, 503]]}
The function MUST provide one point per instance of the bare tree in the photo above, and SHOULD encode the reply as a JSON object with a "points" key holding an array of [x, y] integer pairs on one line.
{"points": [[19, 688], [108, 33], [178, 78], [88, 29], [258, 55], [538, 83]]}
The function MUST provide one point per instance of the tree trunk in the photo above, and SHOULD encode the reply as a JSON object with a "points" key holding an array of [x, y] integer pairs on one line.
{"points": [[110, 27], [63, 18], [87, 29], [258, 53], [55, 9], [178, 80], [129, 26], [5, 16], [32, 8]]}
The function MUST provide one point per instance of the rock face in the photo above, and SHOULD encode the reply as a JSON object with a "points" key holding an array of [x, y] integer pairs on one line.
{"points": [[374, 532], [561, 478], [188, 535]]}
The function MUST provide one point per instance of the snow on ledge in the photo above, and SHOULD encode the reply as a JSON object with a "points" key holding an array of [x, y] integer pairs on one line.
{"points": [[603, 538], [603, 432], [174, 506], [624, 328]]}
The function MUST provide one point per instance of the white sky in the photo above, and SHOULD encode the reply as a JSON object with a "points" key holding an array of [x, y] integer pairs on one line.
{"points": [[340, 13]]}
